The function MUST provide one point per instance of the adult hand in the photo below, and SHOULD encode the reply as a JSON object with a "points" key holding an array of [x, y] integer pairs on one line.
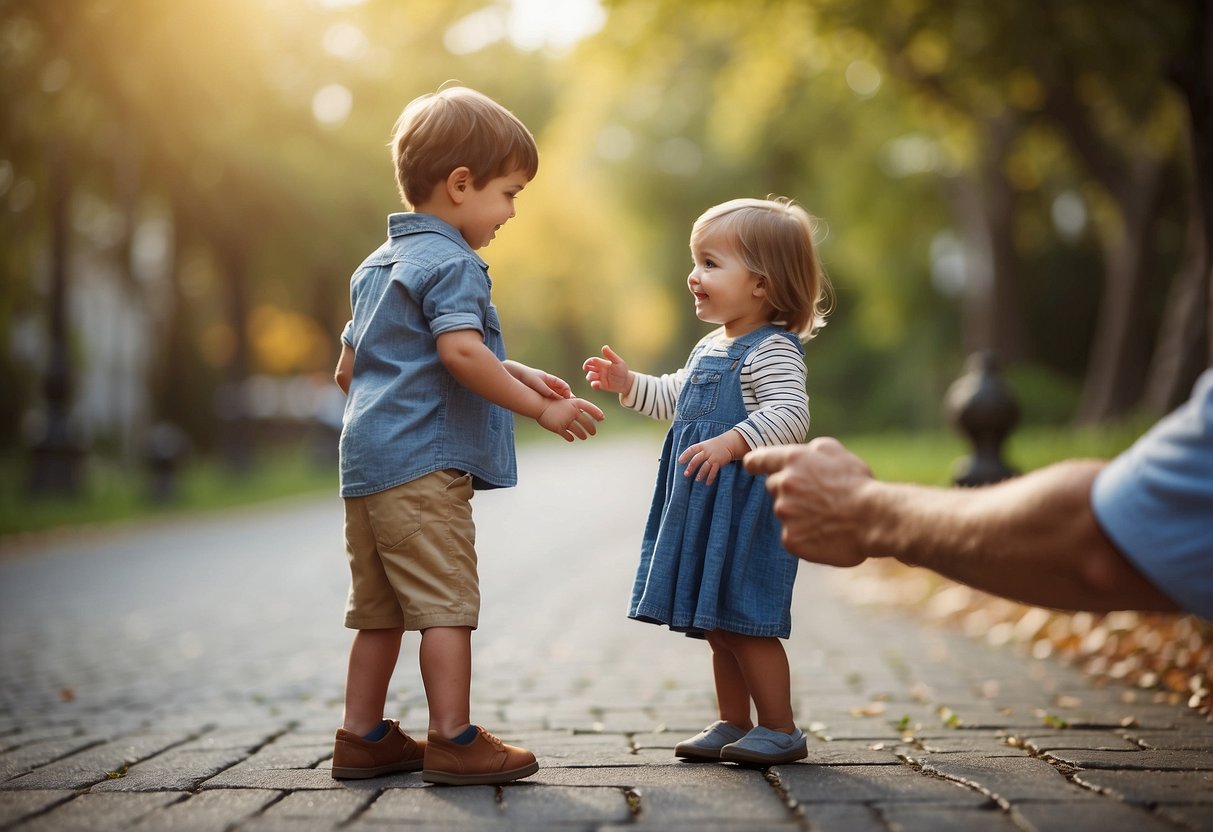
{"points": [[817, 489]]}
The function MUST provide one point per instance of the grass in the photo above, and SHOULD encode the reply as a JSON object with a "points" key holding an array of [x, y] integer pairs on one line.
{"points": [[115, 493], [928, 457]]}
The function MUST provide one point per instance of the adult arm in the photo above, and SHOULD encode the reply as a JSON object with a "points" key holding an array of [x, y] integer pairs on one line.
{"points": [[1033, 538]]}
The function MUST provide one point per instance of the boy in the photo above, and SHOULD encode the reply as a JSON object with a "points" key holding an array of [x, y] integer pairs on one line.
{"points": [[426, 423]]}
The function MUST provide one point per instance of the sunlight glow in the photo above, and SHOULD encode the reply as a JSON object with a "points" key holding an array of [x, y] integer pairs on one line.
{"points": [[863, 78], [529, 25], [331, 104], [347, 41]]}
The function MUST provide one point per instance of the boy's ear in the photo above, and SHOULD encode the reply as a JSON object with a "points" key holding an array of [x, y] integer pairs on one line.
{"points": [[458, 183]]}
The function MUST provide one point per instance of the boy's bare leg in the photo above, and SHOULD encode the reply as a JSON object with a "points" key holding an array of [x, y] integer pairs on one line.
{"points": [[446, 671], [732, 694], [372, 659]]}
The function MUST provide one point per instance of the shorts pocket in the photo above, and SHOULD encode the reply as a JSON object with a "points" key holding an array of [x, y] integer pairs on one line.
{"points": [[394, 515]]}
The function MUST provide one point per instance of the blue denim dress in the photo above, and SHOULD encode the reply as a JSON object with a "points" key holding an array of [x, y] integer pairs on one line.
{"points": [[711, 557]]}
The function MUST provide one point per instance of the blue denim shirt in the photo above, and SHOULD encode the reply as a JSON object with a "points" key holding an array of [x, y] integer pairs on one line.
{"points": [[406, 416]]}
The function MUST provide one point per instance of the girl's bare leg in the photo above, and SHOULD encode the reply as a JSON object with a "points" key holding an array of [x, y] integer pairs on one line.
{"points": [[732, 694], [763, 665]]}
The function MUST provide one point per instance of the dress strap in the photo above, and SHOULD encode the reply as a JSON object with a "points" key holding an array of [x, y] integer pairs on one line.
{"points": [[743, 343]]}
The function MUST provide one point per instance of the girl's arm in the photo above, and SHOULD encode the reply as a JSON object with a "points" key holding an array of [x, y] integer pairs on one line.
{"points": [[772, 381], [773, 384], [652, 396]]}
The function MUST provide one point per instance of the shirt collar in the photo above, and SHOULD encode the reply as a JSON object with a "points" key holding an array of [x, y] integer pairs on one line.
{"points": [[410, 222]]}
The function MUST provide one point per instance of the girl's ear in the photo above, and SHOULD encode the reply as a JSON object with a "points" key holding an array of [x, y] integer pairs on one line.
{"points": [[458, 183], [760, 288]]}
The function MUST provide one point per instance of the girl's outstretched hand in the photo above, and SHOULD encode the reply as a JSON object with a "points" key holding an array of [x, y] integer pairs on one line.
{"points": [[609, 373]]}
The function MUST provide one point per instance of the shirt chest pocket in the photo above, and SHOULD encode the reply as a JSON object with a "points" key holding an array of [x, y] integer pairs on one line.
{"points": [[699, 394]]}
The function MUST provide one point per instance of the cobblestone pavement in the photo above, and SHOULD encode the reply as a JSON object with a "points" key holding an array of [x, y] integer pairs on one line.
{"points": [[187, 675]]}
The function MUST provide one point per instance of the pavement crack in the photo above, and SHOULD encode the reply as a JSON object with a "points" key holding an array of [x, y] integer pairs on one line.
{"points": [[635, 806], [771, 775]]}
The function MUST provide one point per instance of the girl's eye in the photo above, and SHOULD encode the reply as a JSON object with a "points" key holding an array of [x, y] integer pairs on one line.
{"points": [[709, 264]]}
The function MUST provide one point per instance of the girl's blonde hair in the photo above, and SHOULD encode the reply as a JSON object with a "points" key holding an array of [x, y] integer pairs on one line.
{"points": [[774, 239], [457, 127]]}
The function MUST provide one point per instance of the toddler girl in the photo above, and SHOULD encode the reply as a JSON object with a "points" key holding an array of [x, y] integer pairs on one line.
{"points": [[711, 563]]}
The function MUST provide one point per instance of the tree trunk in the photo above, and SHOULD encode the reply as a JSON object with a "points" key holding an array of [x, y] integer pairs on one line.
{"points": [[1185, 344], [236, 425], [1182, 349], [985, 206], [1119, 357]]}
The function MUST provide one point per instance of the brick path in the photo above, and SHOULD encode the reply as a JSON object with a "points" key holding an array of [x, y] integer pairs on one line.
{"points": [[186, 675]]}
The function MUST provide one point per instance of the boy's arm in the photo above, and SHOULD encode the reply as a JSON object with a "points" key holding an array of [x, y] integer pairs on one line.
{"points": [[543, 383], [463, 353], [345, 368]]}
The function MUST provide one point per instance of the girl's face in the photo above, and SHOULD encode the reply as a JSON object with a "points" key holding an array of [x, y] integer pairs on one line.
{"points": [[726, 292]]}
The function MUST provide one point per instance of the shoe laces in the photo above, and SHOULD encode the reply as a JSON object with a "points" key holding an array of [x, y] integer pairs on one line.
{"points": [[490, 737]]}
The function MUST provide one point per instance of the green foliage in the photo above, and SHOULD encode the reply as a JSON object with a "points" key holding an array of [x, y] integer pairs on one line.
{"points": [[876, 116]]}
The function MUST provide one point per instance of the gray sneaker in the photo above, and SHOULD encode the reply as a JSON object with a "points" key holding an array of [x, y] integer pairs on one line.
{"points": [[764, 747], [707, 743]]}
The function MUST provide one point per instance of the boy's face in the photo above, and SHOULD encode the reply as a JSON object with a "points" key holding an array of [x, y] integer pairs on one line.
{"points": [[486, 210]]}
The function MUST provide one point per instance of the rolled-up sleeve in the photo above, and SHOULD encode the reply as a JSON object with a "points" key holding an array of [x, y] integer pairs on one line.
{"points": [[456, 296], [1155, 502]]}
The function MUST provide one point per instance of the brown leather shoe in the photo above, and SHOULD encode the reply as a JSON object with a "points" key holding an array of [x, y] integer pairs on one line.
{"points": [[485, 760], [356, 758]]}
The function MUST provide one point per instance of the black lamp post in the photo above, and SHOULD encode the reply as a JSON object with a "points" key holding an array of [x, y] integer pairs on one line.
{"points": [[981, 405], [57, 453]]}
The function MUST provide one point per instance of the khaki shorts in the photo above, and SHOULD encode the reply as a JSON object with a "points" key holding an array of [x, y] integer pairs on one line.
{"points": [[412, 555]]}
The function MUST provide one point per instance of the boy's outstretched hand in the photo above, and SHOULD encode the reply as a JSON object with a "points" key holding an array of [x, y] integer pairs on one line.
{"points": [[609, 373], [571, 418]]}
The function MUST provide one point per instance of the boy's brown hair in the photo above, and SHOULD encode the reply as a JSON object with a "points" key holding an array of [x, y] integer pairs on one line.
{"points": [[458, 127], [774, 239]]}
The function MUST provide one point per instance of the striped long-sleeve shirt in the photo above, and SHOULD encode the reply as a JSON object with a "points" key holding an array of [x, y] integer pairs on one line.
{"points": [[772, 387]]}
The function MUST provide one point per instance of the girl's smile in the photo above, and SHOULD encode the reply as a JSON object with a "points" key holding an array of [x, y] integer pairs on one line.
{"points": [[725, 291]]}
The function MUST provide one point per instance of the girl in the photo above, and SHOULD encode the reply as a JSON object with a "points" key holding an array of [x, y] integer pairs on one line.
{"points": [[711, 563]]}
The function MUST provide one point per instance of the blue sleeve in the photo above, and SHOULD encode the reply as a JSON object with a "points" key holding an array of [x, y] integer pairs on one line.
{"points": [[1155, 502], [456, 296]]}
